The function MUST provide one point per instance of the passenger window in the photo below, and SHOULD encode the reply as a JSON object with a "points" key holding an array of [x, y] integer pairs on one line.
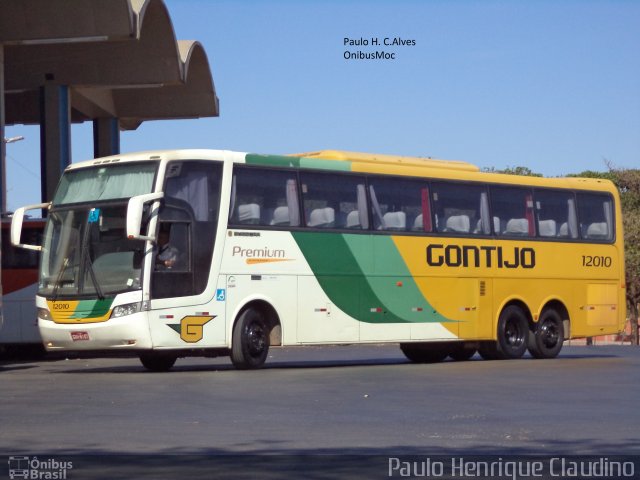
{"points": [[595, 212], [264, 197], [400, 205], [461, 209], [334, 201], [512, 210], [556, 214]]}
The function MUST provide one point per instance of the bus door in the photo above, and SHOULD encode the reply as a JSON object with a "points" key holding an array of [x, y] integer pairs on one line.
{"points": [[184, 311]]}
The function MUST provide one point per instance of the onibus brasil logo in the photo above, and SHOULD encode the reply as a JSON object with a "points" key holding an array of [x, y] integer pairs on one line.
{"points": [[34, 468]]}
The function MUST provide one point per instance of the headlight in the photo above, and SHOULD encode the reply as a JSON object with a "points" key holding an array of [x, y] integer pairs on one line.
{"points": [[128, 309], [44, 314]]}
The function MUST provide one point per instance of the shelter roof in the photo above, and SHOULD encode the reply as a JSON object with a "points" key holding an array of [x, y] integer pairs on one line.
{"points": [[120, 59]]}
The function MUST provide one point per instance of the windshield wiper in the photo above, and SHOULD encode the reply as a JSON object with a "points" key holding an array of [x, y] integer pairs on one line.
{"points": [[63, 268], [87, 264], [92, 274]]}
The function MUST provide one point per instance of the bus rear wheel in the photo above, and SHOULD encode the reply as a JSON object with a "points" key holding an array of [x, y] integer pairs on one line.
{"points": [[424, 352], [513, 332], [490, 351], [158, 361], [250, 341], [547, 337]]}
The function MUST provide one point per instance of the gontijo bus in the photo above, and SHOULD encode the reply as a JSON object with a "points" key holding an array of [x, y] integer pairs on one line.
{"points": [[323, 248]]}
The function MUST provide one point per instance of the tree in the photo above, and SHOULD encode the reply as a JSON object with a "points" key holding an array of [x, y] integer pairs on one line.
{"points": [[525, 171], [628, 182]]}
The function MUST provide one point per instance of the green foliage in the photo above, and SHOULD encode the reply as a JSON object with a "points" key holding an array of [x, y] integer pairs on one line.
{"points": [[525, 171]]}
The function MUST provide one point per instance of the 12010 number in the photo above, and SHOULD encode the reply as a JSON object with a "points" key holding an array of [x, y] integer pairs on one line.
{"points": [[596, 261]]}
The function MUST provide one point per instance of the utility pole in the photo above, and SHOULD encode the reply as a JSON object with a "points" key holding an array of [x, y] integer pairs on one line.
{"points": [[3, 168]]}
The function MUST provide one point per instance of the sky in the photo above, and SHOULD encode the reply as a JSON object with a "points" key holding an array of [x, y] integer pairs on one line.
{"points": [[552, 86]]}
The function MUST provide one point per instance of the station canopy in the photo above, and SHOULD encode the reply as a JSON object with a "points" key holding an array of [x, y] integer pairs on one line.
{"points": [[119, 58]]}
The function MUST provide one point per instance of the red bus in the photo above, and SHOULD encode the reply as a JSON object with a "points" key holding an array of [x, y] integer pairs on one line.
{"points": [[19, 286]]}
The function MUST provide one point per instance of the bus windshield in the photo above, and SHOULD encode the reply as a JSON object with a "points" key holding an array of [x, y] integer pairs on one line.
{"points": [[86, 253], [104, 182]]}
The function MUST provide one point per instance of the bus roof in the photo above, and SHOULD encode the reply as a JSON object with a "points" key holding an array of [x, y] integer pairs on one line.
{"points": [[379, 158], [361, 162]]}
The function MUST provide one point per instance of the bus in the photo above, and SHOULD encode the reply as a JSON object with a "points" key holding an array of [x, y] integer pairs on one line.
{"points": [[19, 287], [322, 248]]}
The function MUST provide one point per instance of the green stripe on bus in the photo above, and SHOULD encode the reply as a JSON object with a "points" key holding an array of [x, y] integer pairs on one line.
{"points": [[272, 160], [339, 263], [383, 269], [297, 162], [325, 164], [92, 308]]}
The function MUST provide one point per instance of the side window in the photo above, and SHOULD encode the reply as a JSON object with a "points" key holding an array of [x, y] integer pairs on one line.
{"points": [[461, 209], [264, 197], [400, 205], [187, 227], [334, 201], [512, 210], [556, 214], [595, 212]]}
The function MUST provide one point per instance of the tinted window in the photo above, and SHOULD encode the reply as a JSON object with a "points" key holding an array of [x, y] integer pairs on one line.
{"points": [[13, 257], [512, 210], [400, 205], [595, 213], [556, 215], [334, 201], [264, 197], [460, 209]]}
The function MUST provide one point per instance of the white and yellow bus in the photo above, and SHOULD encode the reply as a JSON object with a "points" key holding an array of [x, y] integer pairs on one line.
{"points": [[323, 248]]}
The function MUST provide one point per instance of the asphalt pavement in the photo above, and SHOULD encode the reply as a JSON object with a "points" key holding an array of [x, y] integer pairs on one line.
{"points": [[325, 400]]}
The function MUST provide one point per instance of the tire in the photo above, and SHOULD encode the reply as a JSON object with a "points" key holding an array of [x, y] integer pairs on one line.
{"points": [[158, 361], [513, 332], [424, 352], [461, 352], [547, 337], [250, 341]]}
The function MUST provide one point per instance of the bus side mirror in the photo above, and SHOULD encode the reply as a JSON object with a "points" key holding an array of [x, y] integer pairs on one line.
{"points": [[134, 215], [16, 226]]}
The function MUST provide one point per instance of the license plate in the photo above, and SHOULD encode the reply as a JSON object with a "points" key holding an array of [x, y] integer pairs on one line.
{"points": [[79, 336]]}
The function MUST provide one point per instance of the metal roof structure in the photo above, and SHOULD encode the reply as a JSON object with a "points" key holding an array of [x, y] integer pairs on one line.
{"points": [[114, 62], [120, 59]]}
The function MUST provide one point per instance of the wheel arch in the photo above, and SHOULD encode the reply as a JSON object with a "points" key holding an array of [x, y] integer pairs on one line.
{"points": [[519, 302], [560, 307], [270, 314]]}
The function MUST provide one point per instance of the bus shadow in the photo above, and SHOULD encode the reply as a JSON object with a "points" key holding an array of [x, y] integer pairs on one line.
{"points": [[317, 364], [282, 365], [9, 368]]}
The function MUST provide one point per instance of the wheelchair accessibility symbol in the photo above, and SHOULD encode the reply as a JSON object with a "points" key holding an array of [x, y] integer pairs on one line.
{"points": [[220, 295]]}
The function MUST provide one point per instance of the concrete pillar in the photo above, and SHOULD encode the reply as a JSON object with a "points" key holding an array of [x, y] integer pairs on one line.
{"points": [[55, 137], [3, 146], [106, 137]]}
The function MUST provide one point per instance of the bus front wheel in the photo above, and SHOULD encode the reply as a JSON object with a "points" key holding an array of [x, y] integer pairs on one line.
{"points": [[250, 341], [461, 352], [513, 332], [158, 361], [546, 340]]}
